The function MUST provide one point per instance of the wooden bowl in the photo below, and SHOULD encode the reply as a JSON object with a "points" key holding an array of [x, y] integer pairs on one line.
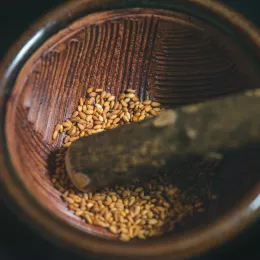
{"points": [[174, 52]]}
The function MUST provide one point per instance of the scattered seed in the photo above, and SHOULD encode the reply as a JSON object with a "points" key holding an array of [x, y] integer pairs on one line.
{"points": [[92, 94], [124, 237], [155, 104], [111, 98], [137, 210], [66, 124], [67, 144], [129, 90], [113, 229], [55, 134]]}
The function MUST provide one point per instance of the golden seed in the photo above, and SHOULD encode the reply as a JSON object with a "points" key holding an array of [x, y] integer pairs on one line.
{"points": [[67, 144], [154, 113], [90, 205], [150, 214], [129, 90], [108, 95], [80, 126], [148, 108], [124, 237], [55, 134], [91, 101], [155, 104], [99, 130], [75, 114], [81, 102], [139, 189], [89, 112], [112, 116], [88, 218], [113, 229], [88, 131], [114, 198], [100, 118], [125, 118], [72, 131], [103, 94], [100, 111], [99, 106], [116, 106], [131, 106], [89, 126], [112, 103], [141, 117], [99, 198], [83, 122], [98, 90], [111, 98], [75, 119], [97, 126], [66, 124], [74, 138], [82, 115], [147, 102], [98, 98], [84, 108], [109, 199], [93, 94], [116, 120], [89, 107], [132, 201], [122, 96], [89, 90], [79, 213], [69, 200], [89, 118], [58, 127], [123, 103], [97, 122]]}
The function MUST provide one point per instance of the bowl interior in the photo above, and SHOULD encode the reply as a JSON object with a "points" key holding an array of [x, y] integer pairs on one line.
{"points": [[167, 56]]}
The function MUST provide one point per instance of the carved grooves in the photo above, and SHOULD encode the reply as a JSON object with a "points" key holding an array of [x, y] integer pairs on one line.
{"points": [[113, 55], [189, 66]]}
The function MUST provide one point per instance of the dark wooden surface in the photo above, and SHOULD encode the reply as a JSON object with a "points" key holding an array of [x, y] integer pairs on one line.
{"points": [[17, 241]]}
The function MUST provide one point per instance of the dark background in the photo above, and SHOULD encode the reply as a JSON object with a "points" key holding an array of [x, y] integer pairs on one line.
{"points": [[16, 240]]}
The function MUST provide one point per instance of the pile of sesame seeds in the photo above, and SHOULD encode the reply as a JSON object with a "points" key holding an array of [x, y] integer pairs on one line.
{"points": [[102, 111], [138, 210]]}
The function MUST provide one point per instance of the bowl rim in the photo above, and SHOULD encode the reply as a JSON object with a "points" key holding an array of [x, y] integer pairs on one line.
{"points": [[192, 244]]}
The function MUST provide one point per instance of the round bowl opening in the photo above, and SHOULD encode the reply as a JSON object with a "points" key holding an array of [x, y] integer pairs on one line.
{"points": [[167, 56]]}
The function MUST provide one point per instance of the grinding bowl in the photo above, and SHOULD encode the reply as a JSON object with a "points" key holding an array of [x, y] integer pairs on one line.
{"points": [[173, 52]]}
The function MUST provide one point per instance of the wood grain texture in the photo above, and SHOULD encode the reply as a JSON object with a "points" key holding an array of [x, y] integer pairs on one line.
{"points": [[165, 55]]}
